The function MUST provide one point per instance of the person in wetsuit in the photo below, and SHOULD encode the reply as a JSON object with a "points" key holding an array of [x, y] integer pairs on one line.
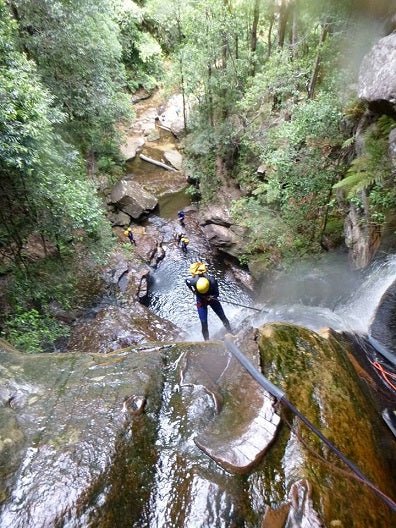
{"points": [[206, 290]]}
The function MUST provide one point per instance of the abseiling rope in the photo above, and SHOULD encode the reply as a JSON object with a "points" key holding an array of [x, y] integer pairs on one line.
{"points": [[280, 396]]}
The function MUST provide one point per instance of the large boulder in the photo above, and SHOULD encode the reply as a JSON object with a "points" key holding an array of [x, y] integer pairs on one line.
{"points": [[377, 76], [228, 240], [215, 214], [131, 146], [131, 198], [174, 158], [221, 231], [171, 116]]}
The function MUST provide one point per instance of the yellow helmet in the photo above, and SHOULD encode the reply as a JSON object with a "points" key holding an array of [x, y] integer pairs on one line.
{"points": [[197, 268], [202, 285]]}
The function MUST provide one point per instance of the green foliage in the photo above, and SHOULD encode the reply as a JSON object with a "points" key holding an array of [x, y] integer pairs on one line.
{"points": [[76, 48], [201, 168], [382, 201], [31, 332], [373, 165], [43, 181], [68, 285], [141, 52]]}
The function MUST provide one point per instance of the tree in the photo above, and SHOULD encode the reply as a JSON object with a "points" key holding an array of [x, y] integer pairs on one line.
{"points": [[76, 47], [42, 178]]}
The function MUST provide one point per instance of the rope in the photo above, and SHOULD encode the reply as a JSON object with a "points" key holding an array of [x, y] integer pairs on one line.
{"points": [[243, 305], [280, 395], [384, 373]]}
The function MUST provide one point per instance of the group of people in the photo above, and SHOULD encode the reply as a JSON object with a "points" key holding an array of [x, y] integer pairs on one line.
{"points": [[203, 285], [181, 237]]}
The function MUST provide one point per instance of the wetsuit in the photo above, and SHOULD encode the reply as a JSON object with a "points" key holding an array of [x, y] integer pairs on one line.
{"points": [[131, 238], [208, 299], [180, 214], [184, 244]]}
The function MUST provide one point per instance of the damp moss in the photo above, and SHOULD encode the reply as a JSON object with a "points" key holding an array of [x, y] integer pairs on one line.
{"points": [[318, 379]]}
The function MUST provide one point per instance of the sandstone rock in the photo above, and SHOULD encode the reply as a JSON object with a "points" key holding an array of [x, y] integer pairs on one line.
{"points": [[215, 214], [131, 146], [131, 198], [174, 158], [377, 76], [362, 240], [225, 239], [172, 115], [119, 218]]}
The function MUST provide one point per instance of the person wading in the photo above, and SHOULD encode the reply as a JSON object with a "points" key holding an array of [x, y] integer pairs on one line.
{"points": [[128, 232], [181, 216], [206, 290], [184, 241]]}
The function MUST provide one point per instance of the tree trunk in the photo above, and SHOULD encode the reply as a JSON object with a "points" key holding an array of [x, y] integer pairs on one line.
{"points": [[253, 39], [155, 162], [284, 11], [294, 29], [315, 72], [269, 40], [182, 74], [210, 97]]}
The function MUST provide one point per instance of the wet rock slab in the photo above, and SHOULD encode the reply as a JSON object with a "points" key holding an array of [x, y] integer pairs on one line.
{"points": [[246, 423]]}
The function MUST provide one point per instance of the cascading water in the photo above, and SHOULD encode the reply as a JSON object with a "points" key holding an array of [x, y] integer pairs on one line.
{"points": [[324, 293], [330, 295]]}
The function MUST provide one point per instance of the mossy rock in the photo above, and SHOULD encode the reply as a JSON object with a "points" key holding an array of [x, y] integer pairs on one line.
{"points": [[318, 379]]}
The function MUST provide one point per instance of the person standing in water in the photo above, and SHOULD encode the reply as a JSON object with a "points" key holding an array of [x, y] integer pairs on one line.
{"points": [[181, 216], [129, 233], [206, 290], [184, 241]]}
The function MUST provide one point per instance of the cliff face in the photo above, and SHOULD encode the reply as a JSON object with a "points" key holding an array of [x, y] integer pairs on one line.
{"points": [[377, 88]]}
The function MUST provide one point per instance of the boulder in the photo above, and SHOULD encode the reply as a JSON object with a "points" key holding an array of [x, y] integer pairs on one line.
{"points": [[131, 146], [362, 240], [131, 198], [215, 214], [119, 218], [172, 116], [228, 240], [377, 76], [174, 158]]}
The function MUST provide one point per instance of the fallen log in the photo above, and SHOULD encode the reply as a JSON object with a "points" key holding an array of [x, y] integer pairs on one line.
{"points": [[155, 162]]}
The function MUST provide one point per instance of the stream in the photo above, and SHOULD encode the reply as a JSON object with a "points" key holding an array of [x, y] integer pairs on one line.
{"points": [[75, 455]]}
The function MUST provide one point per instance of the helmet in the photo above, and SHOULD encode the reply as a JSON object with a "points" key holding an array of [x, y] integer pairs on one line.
{"points": [[197, 268], [202, 285]]}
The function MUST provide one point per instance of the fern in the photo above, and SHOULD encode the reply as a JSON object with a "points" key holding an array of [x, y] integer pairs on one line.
{"points": [[374, 165], [358, 177]]}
